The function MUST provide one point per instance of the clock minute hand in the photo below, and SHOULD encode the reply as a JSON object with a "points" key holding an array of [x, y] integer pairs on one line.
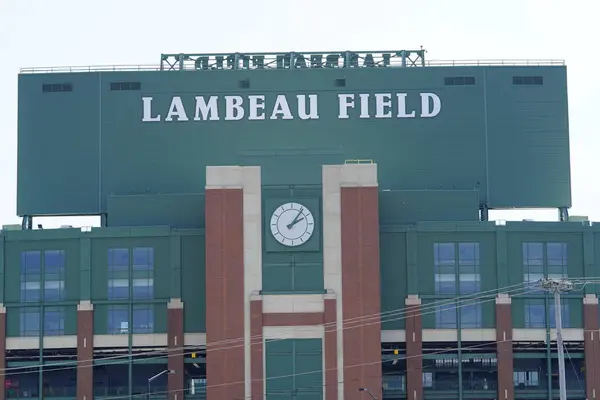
{"points": [[295, 220]]}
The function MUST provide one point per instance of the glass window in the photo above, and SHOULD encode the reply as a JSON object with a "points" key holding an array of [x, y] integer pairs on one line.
{"points": [[118, 259], [443, 254], [31, 276], [445, 316], [526, 378], [448, 270], [535, 313], [470, 316], [118, 319], [143, 319], [54, 321], [556, 254], [135, 281], [118, 289], [30, 322], [54, 275], [143, 258]]}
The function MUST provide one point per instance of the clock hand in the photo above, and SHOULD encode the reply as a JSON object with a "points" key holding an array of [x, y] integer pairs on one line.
{"points": [[295, 220]]}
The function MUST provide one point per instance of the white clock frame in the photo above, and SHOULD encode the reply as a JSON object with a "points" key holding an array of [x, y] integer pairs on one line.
{"points": [[292, 224]]}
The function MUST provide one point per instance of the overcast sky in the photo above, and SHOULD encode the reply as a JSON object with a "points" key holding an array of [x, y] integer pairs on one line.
{"points": [[87, 32]]}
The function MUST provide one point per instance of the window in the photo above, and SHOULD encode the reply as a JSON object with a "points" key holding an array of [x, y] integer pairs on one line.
{"points": [[118, 274], [54, 275], [528, 80], [143, 319], [31, 276], [118, 319], [142, 315], [140, 275], [544, 260], [535, 313], [57, 87], [459, 80], [54, 321], [143, 273], [30, 322], [125, 86], [524, 379], [456, 271]]}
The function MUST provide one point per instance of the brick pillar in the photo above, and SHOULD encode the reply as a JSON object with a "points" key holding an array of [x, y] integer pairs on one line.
{"points": [[175, 345], [330, 348], [414, 348], [256, 349], [85, 350], [225, 328], [591, 345], [504, 347], [361, 298], [2, 350]]}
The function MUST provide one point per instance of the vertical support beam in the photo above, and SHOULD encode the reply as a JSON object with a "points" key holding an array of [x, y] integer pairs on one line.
{"points": [[359, 198], [504, 347], [414, 348], [175, 339], [591, 330], [85, 350], [256, 349], [233, 271], [330, 347]]}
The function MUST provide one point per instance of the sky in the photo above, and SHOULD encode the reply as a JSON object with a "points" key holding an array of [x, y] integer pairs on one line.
{"points": [[42, 33]]}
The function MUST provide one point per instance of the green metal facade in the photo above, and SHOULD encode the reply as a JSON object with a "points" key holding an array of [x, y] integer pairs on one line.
{"points": [[488, 132], [407, 267]]}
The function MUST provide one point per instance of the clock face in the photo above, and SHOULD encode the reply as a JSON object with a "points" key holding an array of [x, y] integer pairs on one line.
{"points": [[292, 224]]}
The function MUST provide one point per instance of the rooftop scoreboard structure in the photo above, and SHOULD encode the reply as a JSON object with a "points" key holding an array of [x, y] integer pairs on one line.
{"points": [[282, 225]]}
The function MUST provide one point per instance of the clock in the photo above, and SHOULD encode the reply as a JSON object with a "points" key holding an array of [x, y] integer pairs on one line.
{"points": [[292, 224]]}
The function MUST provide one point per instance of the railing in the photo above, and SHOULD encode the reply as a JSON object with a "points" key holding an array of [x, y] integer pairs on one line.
{"points": [[199, 62]]}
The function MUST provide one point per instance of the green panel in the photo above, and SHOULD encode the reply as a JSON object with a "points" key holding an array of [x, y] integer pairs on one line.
{"points": [[183, 211], [101, 319], [85, 283], [411, 206], [70, 182], [464, 147], [530, 123], [193, 275], [294, 369], [392, 250]]}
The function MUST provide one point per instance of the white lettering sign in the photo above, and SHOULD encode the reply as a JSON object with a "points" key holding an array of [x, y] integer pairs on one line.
{"points": [[284, 107]]}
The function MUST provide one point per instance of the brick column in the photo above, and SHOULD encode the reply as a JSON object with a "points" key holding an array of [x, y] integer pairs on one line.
{"points": [[233, 271], [591, 345], [2, 350], [256, 343], [85, 350], [175, 345], [414, 348], [361, 298], [330, 348], [504, 347]]}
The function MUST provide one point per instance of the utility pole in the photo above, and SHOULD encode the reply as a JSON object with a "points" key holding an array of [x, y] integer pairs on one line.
{"points": [[557, 287]]}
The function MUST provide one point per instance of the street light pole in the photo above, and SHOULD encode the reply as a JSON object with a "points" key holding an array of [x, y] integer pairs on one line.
{"points": [[364, 389], [166, 371], [557, 287]]}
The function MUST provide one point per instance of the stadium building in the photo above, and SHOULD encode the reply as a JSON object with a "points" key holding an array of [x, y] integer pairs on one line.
{"points": [[296, 226]]}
